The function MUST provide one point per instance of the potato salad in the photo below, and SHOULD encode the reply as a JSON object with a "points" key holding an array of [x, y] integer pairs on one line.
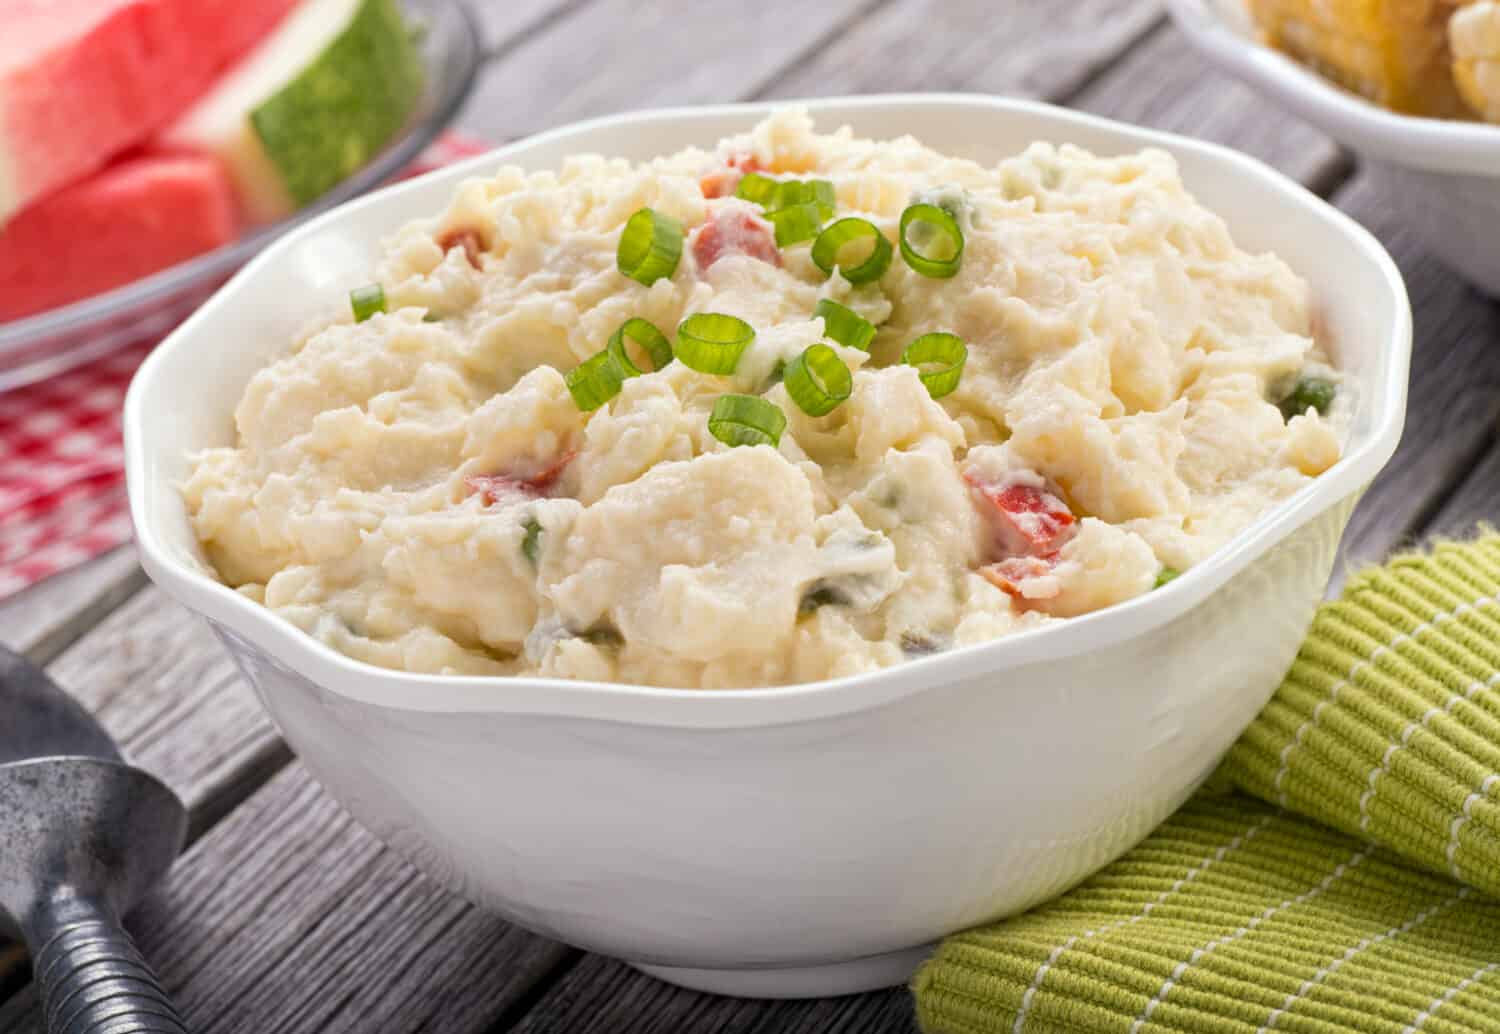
{"points": [[796, 407]]}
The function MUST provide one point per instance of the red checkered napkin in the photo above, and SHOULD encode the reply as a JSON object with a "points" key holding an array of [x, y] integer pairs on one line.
{"points": [[62, 477]]}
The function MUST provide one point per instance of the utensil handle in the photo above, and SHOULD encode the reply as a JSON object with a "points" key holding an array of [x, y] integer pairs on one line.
{"points": [[92, 978]]}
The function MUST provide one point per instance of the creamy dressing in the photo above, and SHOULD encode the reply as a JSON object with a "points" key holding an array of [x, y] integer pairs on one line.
{"points": [[424, 494]]}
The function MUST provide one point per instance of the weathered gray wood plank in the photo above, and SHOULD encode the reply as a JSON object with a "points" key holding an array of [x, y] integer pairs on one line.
{"points": [[505, 23], [1476, 500], [1454, 392], [601, 996], [1033, 49], [42, 620], [171, 697], [614, 55], [288, 917], [1164, 84]]}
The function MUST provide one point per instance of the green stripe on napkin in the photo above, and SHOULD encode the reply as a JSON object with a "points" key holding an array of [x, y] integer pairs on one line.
{"points": [[1242, 916]]}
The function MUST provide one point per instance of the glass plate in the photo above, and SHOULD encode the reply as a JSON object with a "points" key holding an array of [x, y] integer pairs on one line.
{"points": [[50, 342]]}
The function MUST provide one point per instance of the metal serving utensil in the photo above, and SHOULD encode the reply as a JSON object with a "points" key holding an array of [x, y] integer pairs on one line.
{"points": [[83, 835]]}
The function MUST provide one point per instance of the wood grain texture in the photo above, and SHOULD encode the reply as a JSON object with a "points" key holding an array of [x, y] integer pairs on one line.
{"points": [[1454, 392], [288, 917], [1163, 83], [42, 620], [602, 996], [156, 678], [1033, 49], [162, 685], [615, 55], [1477, 499], [505, 23]]}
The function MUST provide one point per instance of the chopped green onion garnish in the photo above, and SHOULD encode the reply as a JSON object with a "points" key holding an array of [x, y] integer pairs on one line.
{"points": [[644, 333], [711, 342], [844, 325], [531, 542], [946, 353], [803, 192], [746, 420], [817, 380], [795, 224], [595, 381], [650, 246], [830, 244], [367, 301], [1309, 393], [937, 222], [1165, 575], [431, 317], [776, 195], [756, 188]]}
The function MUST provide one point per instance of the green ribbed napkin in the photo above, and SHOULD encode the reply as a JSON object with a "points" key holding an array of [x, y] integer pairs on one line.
{"points": [[1242, 915]]}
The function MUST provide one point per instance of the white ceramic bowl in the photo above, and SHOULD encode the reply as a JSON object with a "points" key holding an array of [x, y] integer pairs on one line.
{"points": [[1442, 174], [813, 839]]}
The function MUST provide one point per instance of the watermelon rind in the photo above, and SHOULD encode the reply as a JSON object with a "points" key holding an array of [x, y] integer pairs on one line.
{"points": [[339, 111]]}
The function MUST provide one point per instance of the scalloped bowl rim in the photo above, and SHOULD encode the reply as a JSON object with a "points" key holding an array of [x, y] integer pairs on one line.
{"points": [[741, 708]]}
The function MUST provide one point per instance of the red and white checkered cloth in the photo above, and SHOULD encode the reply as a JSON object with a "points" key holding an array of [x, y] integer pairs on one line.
{"points": [[62, 477]]}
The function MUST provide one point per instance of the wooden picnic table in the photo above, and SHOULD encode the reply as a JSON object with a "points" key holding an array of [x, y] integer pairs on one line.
{"points": [[283, 916]]}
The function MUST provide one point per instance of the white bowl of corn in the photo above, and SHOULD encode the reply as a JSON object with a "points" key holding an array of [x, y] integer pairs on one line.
{"points": [[1412, 86]]}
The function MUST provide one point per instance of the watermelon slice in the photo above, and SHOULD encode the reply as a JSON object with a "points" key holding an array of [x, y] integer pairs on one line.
{"points": [[81, 80], [314, 102], [124, 222]]}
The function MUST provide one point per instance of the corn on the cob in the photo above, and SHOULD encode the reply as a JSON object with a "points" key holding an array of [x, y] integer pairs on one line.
{"points": [[1474, 34], [1394, 52]]}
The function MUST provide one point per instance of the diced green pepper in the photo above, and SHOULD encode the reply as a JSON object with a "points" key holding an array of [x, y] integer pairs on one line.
{"points": [[1308, 393]]}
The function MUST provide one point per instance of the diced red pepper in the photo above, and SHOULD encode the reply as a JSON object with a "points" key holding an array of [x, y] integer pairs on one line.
{"points": [[469, 240], [723, 182], [1008, 574], [1030, 521], [735, 232], [496, 487]]}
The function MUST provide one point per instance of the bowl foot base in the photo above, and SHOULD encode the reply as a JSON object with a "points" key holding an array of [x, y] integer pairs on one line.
{"points": [[870, 973]]}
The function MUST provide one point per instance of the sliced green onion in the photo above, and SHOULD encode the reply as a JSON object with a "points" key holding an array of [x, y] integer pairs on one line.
{"points": [[644, 333], [756, 188], [830, 243], [947, 352], [940, 221], [431, 317], [1308, 393], [1165, 575], [746, 420], [803, 192], [650, 246], [531, 542], [595, 381], [367, 301], [795, 224], [711, 342], [817, 380], [844, 325], [774, 195]]}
